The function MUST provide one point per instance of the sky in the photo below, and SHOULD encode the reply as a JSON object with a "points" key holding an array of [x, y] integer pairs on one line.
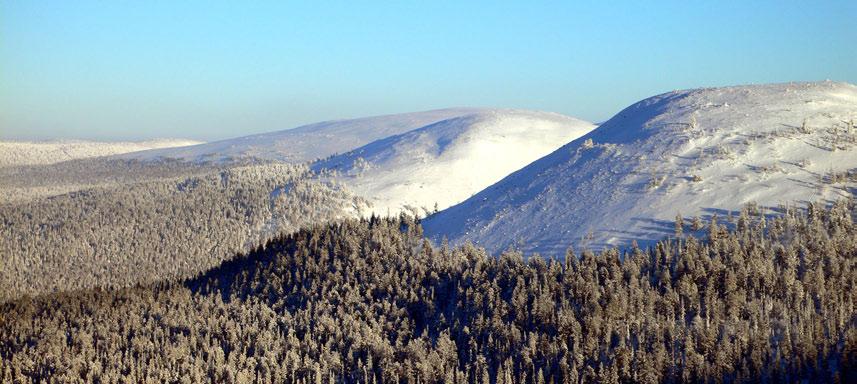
{"points": [[210, 70]]}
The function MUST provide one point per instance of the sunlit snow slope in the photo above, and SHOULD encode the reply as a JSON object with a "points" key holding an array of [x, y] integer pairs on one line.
{"points": [[446, 162], [308, 142], [695, 152], [14, 153]]}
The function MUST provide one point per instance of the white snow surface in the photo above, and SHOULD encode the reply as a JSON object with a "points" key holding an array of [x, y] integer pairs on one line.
{"points": [[309, 142], [446, 162], [15, 153], [694, 152]]}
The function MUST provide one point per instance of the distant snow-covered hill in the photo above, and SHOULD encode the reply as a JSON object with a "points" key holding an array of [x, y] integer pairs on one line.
{"points": [[448, 161], [14, 153], [695, 152], [308, 142]]}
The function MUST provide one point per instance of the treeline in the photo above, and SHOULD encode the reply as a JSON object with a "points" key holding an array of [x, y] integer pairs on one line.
{"points": [[772, 300], [163, 229]]}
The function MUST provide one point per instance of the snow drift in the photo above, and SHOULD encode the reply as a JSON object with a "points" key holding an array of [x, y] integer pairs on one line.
{"points": [[446, 162]]}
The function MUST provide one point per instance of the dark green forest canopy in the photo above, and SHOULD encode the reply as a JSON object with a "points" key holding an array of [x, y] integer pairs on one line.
{"points": [[372, 301]]}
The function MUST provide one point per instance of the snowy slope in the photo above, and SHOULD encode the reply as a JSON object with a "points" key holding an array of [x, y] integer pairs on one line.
{"points": [[695, 152], [14, 153], [308, 142], [446, 162]]}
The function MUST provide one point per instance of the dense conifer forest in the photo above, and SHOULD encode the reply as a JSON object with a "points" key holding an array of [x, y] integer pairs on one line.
{"points": [[770, 299], [174, 222], [25, 183]]}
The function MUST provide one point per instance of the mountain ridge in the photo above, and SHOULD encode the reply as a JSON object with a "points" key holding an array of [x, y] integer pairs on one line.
{"points": [[309, 142], [443, 163], [695, 152]]}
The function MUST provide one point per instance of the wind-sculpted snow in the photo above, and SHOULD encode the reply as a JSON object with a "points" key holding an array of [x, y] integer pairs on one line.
{"points": [[701, 152], [308, 142], [442, 164]]}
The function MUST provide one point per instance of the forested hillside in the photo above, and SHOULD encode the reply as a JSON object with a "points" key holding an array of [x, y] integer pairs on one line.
{"points": [[373, 301], [154, 229], [32, 182]]}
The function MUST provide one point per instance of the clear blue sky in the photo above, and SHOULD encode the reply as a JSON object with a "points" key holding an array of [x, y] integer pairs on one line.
{"points": [[208, 70]]}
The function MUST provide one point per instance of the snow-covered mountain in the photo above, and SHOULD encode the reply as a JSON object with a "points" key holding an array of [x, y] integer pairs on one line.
{"points": [[308, 142], [695, 152], [14, 153], [448, 161]]}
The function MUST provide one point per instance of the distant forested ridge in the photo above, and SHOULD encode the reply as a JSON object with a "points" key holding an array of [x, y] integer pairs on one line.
{"points": [[175, 221], [27, 183], [772, 299]]}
